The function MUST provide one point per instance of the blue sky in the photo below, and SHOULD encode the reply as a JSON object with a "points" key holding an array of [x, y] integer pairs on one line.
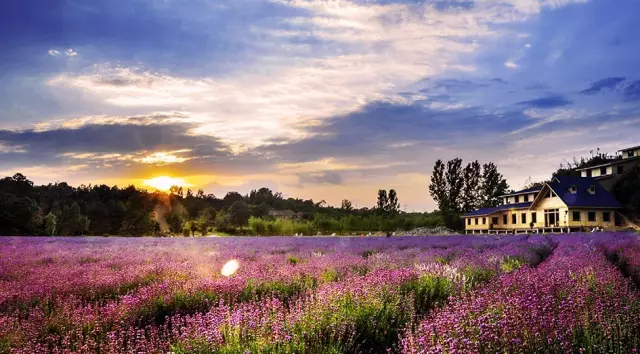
{"points": [[316, 99]]}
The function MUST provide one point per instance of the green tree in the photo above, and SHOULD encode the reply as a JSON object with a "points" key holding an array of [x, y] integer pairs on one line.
{"points": [[18, 215], [383, 201], [438, 186], [206, 219], [627, 190], [393, 206], [239, 213], [50, 223], [455, 182], [493, 186], [261, 210], [346, 205], [471, 189], [190, 228]]}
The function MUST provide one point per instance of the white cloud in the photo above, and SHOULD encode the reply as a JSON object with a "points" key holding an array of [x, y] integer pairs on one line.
{"points": [[53, 52], [387, 48], [510, 64], [6, 149], [70, 52]]}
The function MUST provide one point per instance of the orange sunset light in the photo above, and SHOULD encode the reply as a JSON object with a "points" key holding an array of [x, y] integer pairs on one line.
{"points": [[163, 183]]}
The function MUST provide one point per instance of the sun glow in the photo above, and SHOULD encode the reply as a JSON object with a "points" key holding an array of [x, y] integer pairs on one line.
{"points": [[164, 183]]}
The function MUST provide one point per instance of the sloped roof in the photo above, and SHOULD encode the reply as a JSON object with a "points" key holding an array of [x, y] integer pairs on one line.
{"points": [[583, 199], [488, 211], [631, 148], [524, 191], [610, 163]]}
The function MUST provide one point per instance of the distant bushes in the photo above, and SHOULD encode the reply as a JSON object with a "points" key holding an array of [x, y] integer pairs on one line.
{"points": [[351, 224], [283, 227]]}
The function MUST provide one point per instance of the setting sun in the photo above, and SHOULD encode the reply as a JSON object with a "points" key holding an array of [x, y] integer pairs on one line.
{"points": [[163, 183]]}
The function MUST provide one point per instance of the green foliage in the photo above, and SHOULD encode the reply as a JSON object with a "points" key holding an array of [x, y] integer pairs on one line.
{"points": [[346, 205], [50, 223], [382, 201], [239, 213], [509, 264], [476, 275], [59, 209], [627, 190], [428, 291], [331, 275], [18, 215], [284, 291], [458, 190]]}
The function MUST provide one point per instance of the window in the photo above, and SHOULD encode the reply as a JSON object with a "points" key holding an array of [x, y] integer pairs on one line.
{"points": [[494, 220], [504, 219], [517, 198], [513, 219], [468, 221], [603, 170], [534, 217], [591, 216], [506, 200], [523, 218], [573, 189], [476, 221], [484, 221], [591, 190], [575, 216], [606, 216], [620, 169], [589, 173], [526, 197], [630, 153]]}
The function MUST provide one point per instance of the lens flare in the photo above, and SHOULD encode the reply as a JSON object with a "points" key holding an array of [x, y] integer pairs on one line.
{"points": [[230, 268]]}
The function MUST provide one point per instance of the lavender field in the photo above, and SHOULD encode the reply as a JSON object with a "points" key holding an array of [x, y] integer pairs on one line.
{"points": [[517, 294]]}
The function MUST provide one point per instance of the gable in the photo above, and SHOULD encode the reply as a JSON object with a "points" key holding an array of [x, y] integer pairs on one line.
{"points": [[541, 202]]}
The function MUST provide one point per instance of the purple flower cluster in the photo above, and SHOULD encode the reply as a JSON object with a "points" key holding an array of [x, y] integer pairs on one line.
{"points": [[577, 301], [292, 295]]}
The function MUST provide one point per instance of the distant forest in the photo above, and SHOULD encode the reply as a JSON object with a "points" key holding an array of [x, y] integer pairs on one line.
{"points": [[100, 210]]}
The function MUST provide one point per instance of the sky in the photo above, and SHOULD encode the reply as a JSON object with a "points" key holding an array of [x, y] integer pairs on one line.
{"points": [[316, 99]]}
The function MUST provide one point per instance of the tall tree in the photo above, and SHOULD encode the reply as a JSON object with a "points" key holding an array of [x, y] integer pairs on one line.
{"points": [[393, 206], [382, 200], [438, 186], [239, 213], [346, 205], [471, 189], [455, 182], [493, 185]]}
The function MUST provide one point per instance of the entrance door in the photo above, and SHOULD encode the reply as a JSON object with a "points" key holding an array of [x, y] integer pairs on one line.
{"points": [[551, 217], [617, 219]]}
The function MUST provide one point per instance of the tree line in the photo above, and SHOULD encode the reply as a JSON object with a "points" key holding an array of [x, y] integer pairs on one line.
{"points": [[60, 209], [457, 189]]}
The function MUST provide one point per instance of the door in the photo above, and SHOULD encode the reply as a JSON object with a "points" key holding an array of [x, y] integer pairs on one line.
{"points": [[617, 218], [551, 217]]}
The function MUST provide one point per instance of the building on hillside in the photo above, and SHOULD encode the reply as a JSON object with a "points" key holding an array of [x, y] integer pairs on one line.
{"points": [[609, 173], [285, 214], [564, 204], [630, 152]]}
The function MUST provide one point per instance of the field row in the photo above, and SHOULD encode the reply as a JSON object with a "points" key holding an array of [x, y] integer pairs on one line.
{"points": [[563, 293]]}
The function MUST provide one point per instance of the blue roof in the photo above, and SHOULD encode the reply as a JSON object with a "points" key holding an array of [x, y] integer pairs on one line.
{"points": [[583, 199], [488, 211], [524, 191]]}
